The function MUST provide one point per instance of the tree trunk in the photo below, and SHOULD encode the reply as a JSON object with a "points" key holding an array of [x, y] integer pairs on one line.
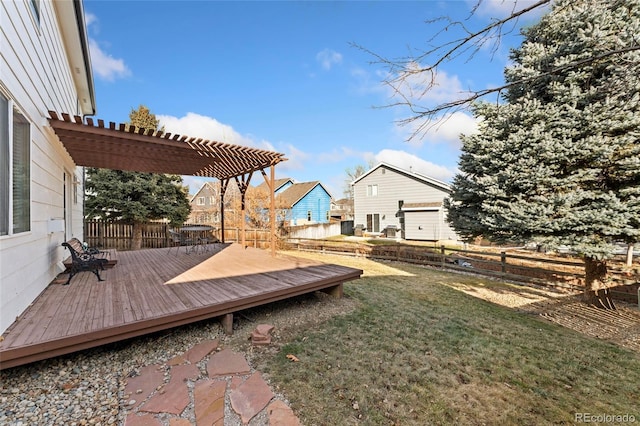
{"points": [[136, 238], [630, 255], [596, 292]]}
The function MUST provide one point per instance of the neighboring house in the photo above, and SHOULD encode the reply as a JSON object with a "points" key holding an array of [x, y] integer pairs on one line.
{"points": [[205, 204], [44, 65], [389, 197], [342, 209], [305, 203]]}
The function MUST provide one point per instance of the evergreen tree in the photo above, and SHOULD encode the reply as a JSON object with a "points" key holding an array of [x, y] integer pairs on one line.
{"points": [[136, 197], [558, 162]]}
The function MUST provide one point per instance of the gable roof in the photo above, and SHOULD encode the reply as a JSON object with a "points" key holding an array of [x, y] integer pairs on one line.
{"points": [[426, 179], [278, 183], [296, 192], [202, 188], [125, 147]]}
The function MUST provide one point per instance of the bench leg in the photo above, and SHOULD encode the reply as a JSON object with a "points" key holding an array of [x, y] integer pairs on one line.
{"points": [[71, 274], [95, 271]]}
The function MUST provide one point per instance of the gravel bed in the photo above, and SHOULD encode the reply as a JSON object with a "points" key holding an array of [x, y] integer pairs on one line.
{"points": [[87, 387]]}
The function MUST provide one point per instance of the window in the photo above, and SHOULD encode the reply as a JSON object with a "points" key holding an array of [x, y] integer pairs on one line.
{"points": [[373, 222], [200, 201], [212, 200], [15, 173], [4, 164], [309, 215], [372, 190], [35, 7], [328, 216]]}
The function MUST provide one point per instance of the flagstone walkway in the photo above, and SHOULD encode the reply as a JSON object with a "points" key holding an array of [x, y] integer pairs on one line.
{"points": [[206, 385]]}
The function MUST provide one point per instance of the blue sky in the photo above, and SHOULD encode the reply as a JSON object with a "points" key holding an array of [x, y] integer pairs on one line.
{"points": [[286, 76]]}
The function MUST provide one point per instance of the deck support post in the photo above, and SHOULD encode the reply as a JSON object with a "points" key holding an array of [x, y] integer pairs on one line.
{"points": [[227, 324], [335, 291]]}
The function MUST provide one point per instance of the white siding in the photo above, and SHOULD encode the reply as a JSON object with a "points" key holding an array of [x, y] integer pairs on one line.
{"points": [[428, 225], [393, 186], [35, 75]]}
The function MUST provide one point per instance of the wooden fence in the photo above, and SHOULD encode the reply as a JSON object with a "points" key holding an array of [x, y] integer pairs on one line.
{"points": [[515, 267], [118, 235]]}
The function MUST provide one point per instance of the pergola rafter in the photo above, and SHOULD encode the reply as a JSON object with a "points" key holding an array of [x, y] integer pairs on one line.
{"points": [[131, 148]]}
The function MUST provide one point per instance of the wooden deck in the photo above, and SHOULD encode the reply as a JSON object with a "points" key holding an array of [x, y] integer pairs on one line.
{"points": [[154, 289]]}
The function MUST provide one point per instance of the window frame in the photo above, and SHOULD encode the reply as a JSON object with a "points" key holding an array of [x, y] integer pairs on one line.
{"points": [[10, 203]]}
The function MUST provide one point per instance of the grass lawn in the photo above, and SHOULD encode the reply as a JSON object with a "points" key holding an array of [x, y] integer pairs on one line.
{"points": [[416, 350]]}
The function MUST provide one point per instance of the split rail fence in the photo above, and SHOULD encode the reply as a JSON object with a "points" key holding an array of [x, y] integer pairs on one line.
{"points": [[517, 267]]}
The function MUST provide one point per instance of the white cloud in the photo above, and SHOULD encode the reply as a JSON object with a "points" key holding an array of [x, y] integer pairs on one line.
{"points": [[340, 154], [200, 126], [296, 158], [105, 65], [423, 88], [89, 19], [328, 58], [447, 131], [424, 93], [407, 161]]}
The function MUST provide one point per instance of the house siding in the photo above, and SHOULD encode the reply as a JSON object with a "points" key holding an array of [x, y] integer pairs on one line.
{"points": [[318, 201], [394, 186], [35, 77], [427, 225]]}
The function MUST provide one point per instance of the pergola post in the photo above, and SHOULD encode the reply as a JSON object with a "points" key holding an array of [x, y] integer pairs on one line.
{"points": [[223, 188], [272, 210], [242, 186], [271, 184]]}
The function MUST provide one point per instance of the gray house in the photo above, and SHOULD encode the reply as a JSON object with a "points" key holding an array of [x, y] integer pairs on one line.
{"points": [[388, 198]]}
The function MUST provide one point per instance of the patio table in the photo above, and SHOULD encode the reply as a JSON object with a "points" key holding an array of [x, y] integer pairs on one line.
{"points": [[199, 234]]}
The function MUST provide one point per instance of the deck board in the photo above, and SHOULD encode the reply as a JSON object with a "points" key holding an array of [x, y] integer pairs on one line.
{"points": [[154, 289]]}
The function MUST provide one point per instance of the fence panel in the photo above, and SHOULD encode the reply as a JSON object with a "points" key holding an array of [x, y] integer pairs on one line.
{"points": [[118, 235]]}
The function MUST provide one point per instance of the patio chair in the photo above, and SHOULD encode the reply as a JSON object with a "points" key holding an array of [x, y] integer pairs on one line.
{"points": [[178, 239]]}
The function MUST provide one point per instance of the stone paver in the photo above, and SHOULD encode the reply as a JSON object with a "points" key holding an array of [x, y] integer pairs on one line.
{"points": [[195, 354], [227, 363], [209, 402], [139, 388], [141, 420], [251, 397], [152, 402], [179, 422], [280, 414]]}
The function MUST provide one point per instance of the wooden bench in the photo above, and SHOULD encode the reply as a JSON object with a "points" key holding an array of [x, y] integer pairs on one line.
{"points": [[85, 259]]}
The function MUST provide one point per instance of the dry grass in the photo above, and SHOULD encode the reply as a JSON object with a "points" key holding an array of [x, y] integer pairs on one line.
{"points": [[413, 346]]}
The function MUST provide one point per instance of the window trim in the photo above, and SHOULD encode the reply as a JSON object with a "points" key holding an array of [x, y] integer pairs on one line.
{"points": [[11, 112]]}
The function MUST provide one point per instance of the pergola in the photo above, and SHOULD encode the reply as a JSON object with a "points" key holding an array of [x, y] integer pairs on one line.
{"points": [[125, 147]]}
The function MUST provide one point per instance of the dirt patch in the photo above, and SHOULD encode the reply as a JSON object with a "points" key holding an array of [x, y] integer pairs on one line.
{"points": [[565, 308]]}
